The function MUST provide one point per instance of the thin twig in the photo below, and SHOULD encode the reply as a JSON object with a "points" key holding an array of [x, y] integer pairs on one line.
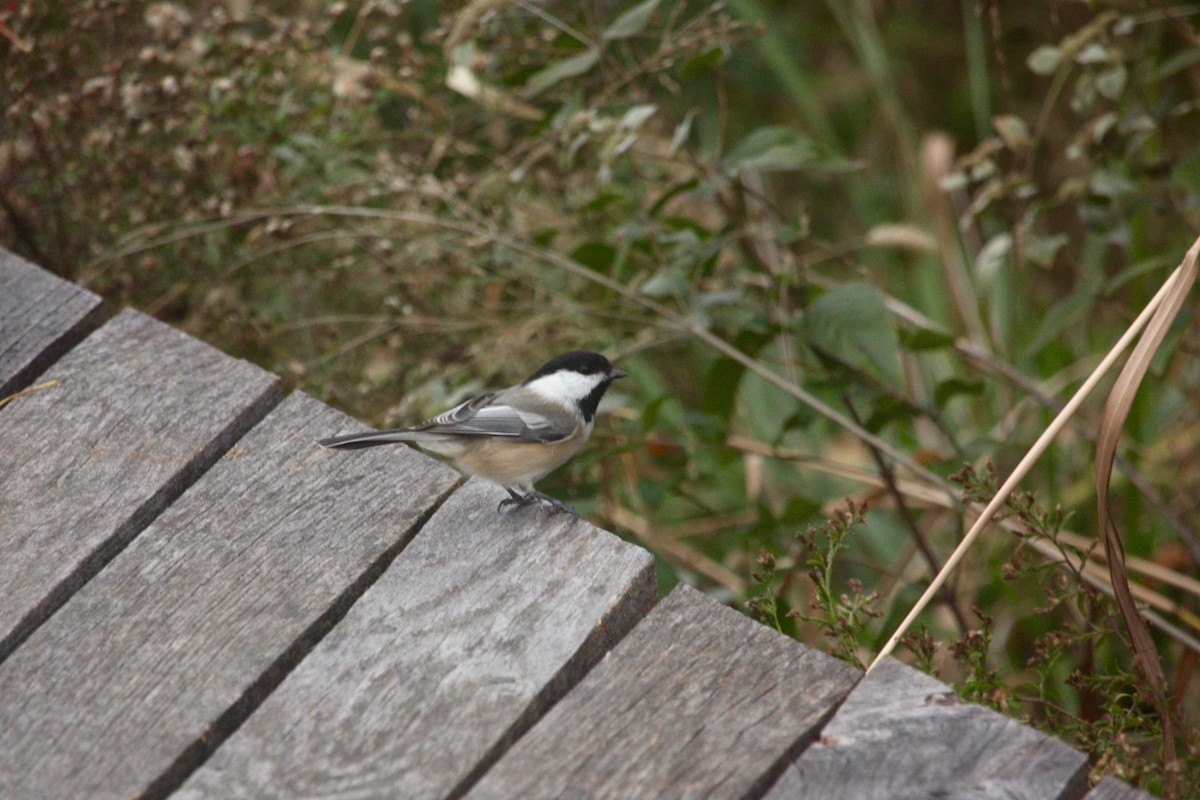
{"points": [[946, 595], [921, 494], [987, 360], [28, 390], [1026, 464]]}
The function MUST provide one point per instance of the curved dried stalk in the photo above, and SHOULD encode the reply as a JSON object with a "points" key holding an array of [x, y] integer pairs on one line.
{"points": [[1116, 411], [1095, 550], [1040, 393], [1026, 463]]}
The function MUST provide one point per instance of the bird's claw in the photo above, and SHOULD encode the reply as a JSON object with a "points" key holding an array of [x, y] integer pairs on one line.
{"points": [[510, 501], [533, 498]]}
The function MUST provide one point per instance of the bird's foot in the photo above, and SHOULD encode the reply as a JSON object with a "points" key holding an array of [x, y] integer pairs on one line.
{"points": [[532, 498], [555, 504], [515, 499]]}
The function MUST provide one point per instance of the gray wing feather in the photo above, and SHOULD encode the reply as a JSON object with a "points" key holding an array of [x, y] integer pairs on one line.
{"points": [[479, 417], [476, 417]]}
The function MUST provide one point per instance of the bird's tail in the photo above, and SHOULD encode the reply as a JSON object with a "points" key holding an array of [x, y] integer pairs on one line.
{"points": [[355, 441]]}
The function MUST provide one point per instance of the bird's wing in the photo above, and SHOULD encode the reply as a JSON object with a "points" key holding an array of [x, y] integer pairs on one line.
{"points": [[482, 417]]}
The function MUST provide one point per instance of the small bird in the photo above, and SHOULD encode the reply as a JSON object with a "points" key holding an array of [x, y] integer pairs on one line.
{"points": [[516, 436]]}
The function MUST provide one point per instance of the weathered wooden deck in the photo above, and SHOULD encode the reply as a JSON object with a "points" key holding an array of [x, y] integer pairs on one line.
{"points": [[196, 601]]}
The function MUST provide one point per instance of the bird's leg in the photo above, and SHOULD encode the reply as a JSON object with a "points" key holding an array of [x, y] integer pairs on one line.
{"points": [[515, 499], [533, 496]]}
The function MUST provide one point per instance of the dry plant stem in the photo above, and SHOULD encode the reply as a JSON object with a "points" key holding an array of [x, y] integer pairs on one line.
{"points": [[885, 472], [986, 360], [911, 489], [1095, 550], [1093, 574], [937, 161], [1022, 469], [1097, 577], [28, 390], [1139, 481], [1116, 411]]}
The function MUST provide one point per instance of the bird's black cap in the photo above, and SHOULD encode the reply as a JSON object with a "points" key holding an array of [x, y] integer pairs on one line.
{"points": [[584, 362]]}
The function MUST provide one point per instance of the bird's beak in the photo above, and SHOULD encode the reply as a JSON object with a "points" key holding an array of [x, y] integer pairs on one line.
{"points": [[618, 373]]}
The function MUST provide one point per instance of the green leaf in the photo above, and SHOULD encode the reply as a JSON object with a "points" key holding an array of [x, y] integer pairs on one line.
{"points": [[1093, 53], [1044, 60], [719, 390], [632, 22], [1186, 172], [953, 181], [1176, 63], [597, 255], [1069, 313], [1012, 130], [1041, 250], [1110, 183], [954, 387], [1111, 82], [672, 192], [851, 324], [776, 148], [926, 339], [701, 63], [636, 117], [992, 258], [666, 282], [567, 68], [682, 131]]}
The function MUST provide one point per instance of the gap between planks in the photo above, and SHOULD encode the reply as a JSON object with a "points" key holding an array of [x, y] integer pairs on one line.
{"points": [[601, 642], [199, 751], [498, 567], [767, 781], [262, 394]]}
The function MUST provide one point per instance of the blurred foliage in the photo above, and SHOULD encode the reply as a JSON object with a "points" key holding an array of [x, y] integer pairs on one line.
{"points": [[931, 217]]}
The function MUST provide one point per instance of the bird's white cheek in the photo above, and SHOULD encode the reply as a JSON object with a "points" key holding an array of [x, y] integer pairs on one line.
{"points": [[565, 387]]}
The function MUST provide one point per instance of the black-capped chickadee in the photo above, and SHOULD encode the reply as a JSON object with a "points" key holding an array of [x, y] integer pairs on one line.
{"points": [[517, 436]]}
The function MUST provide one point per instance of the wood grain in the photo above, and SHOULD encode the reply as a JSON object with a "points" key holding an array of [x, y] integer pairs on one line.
{"points": [[478, 626], [902, 734], [1113, 789], [160, 656], [697, 701], [41, 317], [139, 411]]}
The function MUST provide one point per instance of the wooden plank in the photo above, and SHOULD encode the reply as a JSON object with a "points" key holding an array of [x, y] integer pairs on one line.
{"points": [[482, 622], [697, 701], [1113, 789], [41, 317], [140, 410], [160, 656], [902, 734]]}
